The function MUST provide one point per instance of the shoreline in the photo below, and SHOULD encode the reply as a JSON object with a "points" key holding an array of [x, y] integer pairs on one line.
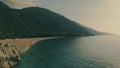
{"points": [[13, 48], [34, 42], [24, 44]]}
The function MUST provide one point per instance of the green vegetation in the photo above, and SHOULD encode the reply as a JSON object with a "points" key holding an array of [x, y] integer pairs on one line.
{"points": [[38, 22]]}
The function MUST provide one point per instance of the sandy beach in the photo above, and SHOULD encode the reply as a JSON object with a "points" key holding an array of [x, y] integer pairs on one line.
{"points": [[23, 44]]}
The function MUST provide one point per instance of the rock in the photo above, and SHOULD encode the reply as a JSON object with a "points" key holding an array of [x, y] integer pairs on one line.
{"points": [[5, 64], [9, 56]]}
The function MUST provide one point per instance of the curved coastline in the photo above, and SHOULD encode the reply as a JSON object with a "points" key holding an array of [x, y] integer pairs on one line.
{"points": [[23, 44], [34, 42]]}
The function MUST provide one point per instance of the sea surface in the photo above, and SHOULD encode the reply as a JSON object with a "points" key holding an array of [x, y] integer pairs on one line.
{"points": [[74, 52]]}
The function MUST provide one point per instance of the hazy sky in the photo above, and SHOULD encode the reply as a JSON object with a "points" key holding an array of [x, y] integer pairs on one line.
{"points": [[102, 15]]}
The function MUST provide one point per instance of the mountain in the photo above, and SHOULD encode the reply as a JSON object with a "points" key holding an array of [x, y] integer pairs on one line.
{"points": [[38, 22], [10, 23]]}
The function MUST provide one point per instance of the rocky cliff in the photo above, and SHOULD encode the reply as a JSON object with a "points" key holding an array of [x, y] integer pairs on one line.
{"points": [[9, 56]]}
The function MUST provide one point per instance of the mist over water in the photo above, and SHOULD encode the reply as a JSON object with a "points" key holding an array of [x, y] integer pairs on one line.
{"points": [[74, 52]]}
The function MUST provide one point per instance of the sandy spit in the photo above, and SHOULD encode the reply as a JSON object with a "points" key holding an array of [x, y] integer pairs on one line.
{"points": [[24, 44]]}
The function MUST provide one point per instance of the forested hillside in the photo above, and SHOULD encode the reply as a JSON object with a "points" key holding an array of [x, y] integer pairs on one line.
{"points": [[38, 22]]}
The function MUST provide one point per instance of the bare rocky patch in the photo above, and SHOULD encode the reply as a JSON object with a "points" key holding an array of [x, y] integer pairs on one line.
{"points": [[9, 56]]}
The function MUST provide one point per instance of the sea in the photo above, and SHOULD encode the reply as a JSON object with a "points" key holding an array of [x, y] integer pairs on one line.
{"points": [[73, 52]]}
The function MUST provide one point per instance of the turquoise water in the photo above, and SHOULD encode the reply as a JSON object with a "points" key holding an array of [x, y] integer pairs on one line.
{"points": [[74, 52]]}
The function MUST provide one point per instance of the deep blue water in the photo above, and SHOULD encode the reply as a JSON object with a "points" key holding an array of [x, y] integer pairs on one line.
{"points": [[74, 52]]}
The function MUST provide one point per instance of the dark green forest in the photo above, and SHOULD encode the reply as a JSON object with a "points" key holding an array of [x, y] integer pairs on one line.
{"points": [[38, 22]]}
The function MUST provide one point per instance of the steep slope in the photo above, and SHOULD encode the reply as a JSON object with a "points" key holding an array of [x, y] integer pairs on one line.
{"points": [[51, 22], [38, 22], [11, 24]]}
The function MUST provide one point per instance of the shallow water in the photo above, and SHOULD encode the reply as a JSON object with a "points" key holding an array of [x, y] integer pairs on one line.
{"points": [[74, 52]]}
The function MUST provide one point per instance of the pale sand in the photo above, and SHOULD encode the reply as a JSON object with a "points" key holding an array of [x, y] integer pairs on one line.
{"points": [[23, 44]]}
